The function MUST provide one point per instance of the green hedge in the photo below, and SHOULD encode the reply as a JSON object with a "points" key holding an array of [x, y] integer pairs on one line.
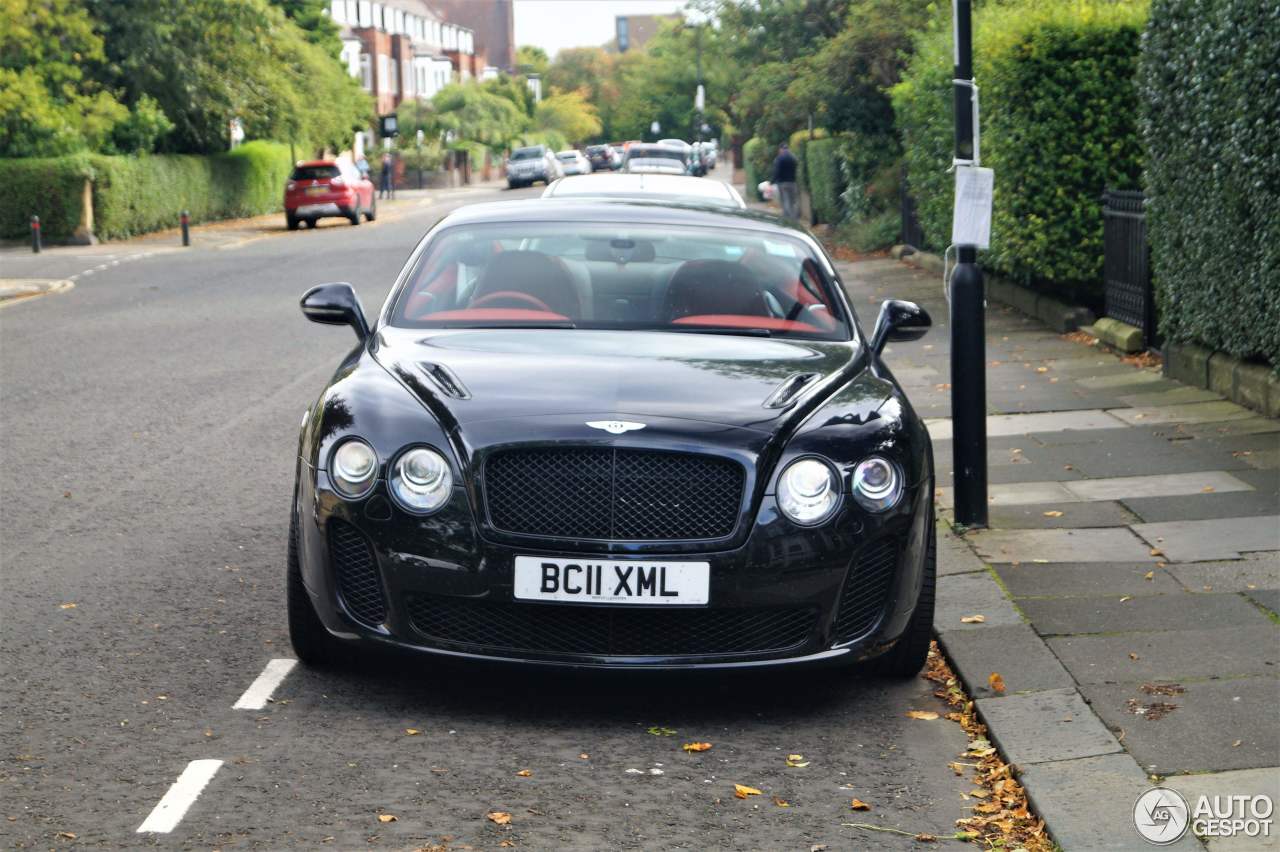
{"points": [[826, 181], [133, 195], [48, 187], [1211, 126], [1059, 113]]}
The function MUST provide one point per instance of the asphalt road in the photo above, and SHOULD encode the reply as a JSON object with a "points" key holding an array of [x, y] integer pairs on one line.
{"points": [[147, 424]]}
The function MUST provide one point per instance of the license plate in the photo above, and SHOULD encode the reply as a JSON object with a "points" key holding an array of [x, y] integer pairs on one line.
{"points": [[612, 581], [317, 190]]}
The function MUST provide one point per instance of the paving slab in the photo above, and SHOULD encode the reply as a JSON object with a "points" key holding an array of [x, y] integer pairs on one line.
{"points": [[1245, 426], [1223, 651], [1022, 424], [1141, 453], [1157, 485], [1216, 505], [1106, 513], [1020, 657], [954, 556], [1087, 804], [1127, 379], [964, 595], [1200, 734], [1268, 599], [1066, 545], [1053, 724], [1182, 611], [1236, 782], [1195, 412], [1171, 396], [1087, 579], [1202, 541], [1254, 571]]}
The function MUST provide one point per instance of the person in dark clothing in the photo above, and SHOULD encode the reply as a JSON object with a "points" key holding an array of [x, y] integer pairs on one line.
{"points": [[386, 178], [784, 179]]}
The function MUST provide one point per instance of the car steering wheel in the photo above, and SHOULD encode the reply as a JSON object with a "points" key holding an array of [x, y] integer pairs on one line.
{"points": [[522, 300]]}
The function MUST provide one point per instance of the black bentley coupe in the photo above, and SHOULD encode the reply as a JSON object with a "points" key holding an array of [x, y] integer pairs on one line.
{"points": [[604, 433]]}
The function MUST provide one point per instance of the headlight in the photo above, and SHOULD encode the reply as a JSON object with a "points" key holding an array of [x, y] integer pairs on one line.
{"points": [[808, 491], [421, 481], [353, 468], [877, 484]]}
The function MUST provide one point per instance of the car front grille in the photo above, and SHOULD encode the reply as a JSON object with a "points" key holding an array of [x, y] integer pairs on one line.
{"points": [[612, 494], [609, 631], [866, 589], [359, 583]]}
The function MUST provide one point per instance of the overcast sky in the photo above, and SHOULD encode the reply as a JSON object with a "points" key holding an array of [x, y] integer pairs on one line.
{"points": [[553, 24]]}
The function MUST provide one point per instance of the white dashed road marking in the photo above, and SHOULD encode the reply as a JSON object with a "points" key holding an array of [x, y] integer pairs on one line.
{"points": [[181, 796], [259, 692]]}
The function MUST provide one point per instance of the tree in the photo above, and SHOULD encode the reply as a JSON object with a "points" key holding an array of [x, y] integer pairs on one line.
{"points": [[312, 17], [531, 60], [474, 114], [570, 115]]}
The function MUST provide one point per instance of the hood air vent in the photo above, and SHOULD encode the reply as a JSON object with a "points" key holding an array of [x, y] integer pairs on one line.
{"points": [[789, 390], [445, 380]]}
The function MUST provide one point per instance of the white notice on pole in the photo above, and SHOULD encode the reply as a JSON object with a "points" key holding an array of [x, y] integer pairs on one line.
{"points": [[971, 219]]}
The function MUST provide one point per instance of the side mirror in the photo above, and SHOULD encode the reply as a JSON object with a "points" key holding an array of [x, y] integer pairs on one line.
{"points": [[335, 304], [899, 321]]}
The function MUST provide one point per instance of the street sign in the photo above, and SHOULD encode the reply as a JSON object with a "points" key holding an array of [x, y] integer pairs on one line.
{"points": [[388, 126]]}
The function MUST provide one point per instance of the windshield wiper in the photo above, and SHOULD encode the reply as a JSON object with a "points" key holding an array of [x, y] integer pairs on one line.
{"points": [[717, 329]]}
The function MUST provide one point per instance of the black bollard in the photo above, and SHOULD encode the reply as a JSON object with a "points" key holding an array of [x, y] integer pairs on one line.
{"points": [[186, 228], [35, 234]]}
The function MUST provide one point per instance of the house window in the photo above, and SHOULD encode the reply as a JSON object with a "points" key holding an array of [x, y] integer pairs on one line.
{"points": [[366, 72], [364, 11], [384, 72]]}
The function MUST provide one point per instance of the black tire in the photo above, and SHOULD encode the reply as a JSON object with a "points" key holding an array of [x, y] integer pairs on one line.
{"points": [[291, 221], [372, 212], [313, 645], [908, 656], [311, 223], [354, 216]]}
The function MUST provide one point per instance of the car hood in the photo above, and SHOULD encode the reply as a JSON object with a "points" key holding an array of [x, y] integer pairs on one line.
{"points": [[471, 376]]}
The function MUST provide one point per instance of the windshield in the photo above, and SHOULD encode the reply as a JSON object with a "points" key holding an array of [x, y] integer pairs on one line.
{"points": [[314, 173], [656, 154], [526, 153], [605, 275], [595, 149], [568, 155]]}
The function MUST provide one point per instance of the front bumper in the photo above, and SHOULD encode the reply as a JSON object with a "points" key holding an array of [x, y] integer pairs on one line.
{"points": [[785, 596]]}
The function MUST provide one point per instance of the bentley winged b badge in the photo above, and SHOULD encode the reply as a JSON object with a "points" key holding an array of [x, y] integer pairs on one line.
{"points": [[615, 427]]}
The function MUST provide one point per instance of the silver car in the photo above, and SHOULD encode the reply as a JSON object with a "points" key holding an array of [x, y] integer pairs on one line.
{"points": [[531, 164]]}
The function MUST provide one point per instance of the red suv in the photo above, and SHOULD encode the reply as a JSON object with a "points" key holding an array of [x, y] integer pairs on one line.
{"points": [[320, 188]]}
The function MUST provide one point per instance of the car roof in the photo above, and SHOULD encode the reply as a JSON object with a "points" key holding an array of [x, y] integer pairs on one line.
{"points": [[641, 186], [619, 210], [303, 164]]}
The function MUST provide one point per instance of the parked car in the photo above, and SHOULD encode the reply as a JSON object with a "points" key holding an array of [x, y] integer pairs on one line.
{"points": [[711, 152], [320, 188], [673, 189], [574, 163], [610, 434], [527, 166], [656, 158], [604, 158]]}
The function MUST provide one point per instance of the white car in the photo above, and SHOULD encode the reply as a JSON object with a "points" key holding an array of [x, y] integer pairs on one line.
{"points": [[670, 189], [656, 159], [574, 163]]}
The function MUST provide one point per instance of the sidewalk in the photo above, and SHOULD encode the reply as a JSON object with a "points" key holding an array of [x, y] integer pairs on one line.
{"points": [[1129, 579]]}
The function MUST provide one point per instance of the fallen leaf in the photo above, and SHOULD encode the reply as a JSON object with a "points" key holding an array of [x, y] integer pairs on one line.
{"points": [[413, 732], [659, 731], [507, 844], [973, 619], [388, 818], [926, 838], [1133, 656], [1042, 369], [1155, 551], [1150, 575], [859, 805], [499, 817], [1053, 514], [996, 682], [742, 791], [924, 715], [1126, 598], [696, 746], [525, 773], [67, 835], [1208, 489], [584, 756], [66, 606], [1236, 744], [782, 803]]}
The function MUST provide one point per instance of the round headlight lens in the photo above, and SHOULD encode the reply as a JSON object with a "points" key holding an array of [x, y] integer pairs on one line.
{"points": [[877, 484], [808, 491], [354, 467], [421, 481]]}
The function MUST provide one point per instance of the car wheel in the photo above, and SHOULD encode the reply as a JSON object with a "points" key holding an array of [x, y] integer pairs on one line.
{"points": [[314, 645], [311, 223], [908, 656], [354, 216], [372, 212], [291, 221]]}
